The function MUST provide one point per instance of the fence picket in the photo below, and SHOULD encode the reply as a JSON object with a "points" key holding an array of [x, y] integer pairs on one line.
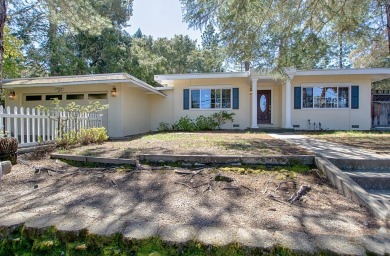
{"points": [[30, 126], [33, 125], [8, 121]]}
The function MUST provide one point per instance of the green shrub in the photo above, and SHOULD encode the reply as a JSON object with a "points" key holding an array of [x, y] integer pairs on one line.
{"points": [[205, 123], [201, 123], [164, 127], [221, 117], [67, 140], [184, 124], [83, 137]]}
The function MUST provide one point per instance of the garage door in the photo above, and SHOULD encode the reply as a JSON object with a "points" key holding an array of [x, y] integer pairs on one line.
{"points": [[34, 100]]}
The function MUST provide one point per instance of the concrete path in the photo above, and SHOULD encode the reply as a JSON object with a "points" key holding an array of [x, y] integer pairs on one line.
{"points": [[299, 242], [328, 149]]}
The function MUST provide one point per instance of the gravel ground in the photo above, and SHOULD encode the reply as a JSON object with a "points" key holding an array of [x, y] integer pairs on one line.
{"points": [[164, 196]]}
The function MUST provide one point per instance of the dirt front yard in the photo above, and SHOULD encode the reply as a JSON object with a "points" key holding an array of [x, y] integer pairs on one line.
{"points": [[378, 142], [246, 198], [202, 143]]}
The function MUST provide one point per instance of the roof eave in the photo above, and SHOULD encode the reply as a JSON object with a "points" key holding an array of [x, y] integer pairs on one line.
{"points": [[172, 77]]}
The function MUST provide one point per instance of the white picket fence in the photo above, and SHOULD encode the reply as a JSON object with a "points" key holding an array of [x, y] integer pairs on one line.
{"points": [[31, 126]]}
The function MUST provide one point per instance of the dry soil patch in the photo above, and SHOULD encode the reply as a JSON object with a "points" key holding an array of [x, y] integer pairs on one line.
{"points": [[204, 143], [160, 196]]}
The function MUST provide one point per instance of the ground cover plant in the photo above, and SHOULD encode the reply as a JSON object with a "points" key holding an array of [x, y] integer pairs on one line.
{"points": [[376, 141], [197, 143], [49, 241]]}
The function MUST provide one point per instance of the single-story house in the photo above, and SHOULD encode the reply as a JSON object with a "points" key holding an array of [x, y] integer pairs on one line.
{"points": [[337, 99]]}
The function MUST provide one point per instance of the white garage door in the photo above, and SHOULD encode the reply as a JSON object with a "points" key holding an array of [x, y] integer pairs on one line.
{"points": [[34, 100]]}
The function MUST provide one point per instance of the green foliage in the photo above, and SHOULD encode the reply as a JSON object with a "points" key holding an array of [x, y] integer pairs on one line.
{"points": [[92, 136], [201, 123], [205, 123], [184, 124], [83, 137], [52, 242], [278, 33], [164, 127], [12, 55], [222, 117]]}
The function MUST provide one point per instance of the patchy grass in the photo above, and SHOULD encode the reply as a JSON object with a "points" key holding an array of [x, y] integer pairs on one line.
{"points": [[202, 143], [52, 242], [370, 140]]}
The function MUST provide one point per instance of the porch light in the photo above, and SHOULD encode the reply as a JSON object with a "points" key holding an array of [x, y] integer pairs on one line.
{"points": [[113, 91], [11, 94]]}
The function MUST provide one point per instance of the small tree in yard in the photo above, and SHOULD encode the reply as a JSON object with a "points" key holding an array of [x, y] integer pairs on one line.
{"points": [[75, 112]]}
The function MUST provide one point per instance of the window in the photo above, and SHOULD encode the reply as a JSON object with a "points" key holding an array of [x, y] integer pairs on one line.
{"points": [[97, 96], [33, 97], [211, 98], [75, 96], [52, 97], [325, 97]]}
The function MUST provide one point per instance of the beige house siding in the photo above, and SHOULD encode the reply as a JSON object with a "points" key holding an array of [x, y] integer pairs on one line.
{"points": [[336, 119], [242, 115], [161, 109], [135, 110]]}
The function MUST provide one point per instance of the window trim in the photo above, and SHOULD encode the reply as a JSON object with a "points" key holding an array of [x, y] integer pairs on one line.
{"points": [[211, 87], [27, 95], [338, 85]]}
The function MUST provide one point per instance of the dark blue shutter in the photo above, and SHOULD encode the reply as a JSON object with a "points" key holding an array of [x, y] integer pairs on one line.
{"points": [[355, 97], [186, 99], [236, 98], [297, 98]]}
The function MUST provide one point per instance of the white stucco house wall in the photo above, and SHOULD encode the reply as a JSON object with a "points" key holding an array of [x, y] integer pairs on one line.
{"points": [[338, 99]]}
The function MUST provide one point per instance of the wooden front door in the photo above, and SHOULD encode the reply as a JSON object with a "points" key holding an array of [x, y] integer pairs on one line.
{"points": [[264, 107]]}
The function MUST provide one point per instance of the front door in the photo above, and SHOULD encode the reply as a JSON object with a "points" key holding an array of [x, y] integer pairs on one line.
{"points": [[264, 107]]}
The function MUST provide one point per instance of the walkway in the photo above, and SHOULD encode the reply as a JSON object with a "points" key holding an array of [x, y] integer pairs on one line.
{"points": [[328, 149]]}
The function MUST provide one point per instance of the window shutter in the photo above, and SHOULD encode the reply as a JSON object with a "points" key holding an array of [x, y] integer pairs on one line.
{"points": [[355, 97], [236, 98], [297, 98], [186, 99]]}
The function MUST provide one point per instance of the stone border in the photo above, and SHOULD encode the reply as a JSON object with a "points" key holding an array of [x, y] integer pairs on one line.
{"points": [[192, 159], [350, 188], [91, 159], [228, 159]]}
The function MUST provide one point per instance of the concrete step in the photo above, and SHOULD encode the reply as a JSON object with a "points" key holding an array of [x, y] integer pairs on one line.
{"points": [[371, 180]]}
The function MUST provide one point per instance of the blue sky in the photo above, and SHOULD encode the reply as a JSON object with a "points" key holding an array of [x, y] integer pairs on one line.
{"points": [[160, 18]]}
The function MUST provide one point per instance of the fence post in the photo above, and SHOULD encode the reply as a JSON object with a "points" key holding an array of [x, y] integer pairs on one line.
{"points": [[16, 128], [28, 125], [33, 124], [2, 126], [8, 121]]}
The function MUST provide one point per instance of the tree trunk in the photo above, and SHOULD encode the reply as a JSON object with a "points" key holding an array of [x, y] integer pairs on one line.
{"points": [[387, 5], [3, 16], [340, 50], [53, 61]]}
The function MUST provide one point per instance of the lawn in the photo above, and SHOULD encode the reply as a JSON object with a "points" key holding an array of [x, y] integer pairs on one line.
{"points": [[378, 142], [204, 143]]}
